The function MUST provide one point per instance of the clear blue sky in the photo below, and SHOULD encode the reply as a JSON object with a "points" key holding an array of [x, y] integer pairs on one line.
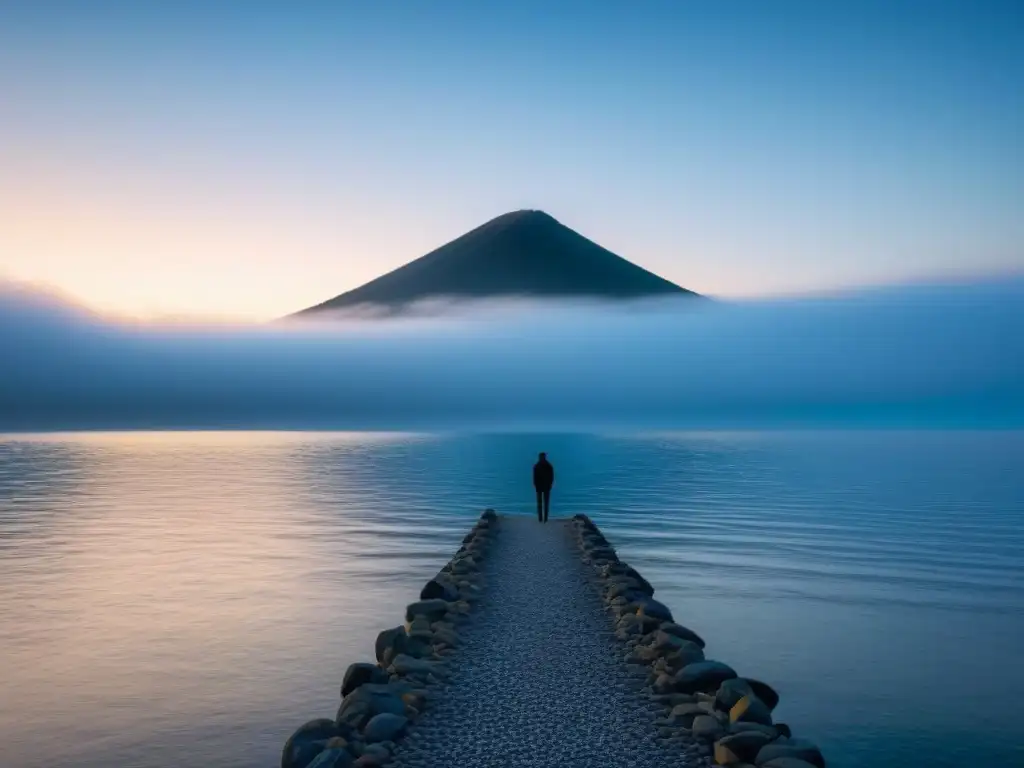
{"points": [[249, 159]]}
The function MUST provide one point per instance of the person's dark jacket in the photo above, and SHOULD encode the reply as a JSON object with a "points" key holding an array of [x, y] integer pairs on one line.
{"points": [[543, 475]]}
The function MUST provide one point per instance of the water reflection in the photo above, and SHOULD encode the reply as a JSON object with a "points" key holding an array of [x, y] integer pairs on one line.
{"points": [[186, 598]]}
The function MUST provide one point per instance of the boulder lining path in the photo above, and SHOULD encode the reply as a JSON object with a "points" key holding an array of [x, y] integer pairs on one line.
{"points": [[539, 680], [535, 645]]}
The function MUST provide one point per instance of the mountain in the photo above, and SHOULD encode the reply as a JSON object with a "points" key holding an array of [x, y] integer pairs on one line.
{"points": [[524, 254]]}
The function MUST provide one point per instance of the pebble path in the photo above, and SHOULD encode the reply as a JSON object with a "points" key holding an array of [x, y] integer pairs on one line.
{"points": [[539, 680]]}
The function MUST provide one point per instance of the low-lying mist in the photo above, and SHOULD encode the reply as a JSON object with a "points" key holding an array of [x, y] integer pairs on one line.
{"points": [[942, 355]]}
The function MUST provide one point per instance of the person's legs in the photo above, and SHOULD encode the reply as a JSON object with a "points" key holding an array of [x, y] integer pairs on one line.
{"points": [[547, 503], [540, 517]]}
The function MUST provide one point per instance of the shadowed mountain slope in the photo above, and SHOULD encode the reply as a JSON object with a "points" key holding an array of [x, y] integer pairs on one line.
{"points": [[523, 253]]}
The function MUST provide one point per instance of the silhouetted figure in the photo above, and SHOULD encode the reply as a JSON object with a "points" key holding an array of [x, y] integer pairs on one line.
{"points": [[543, 479]]}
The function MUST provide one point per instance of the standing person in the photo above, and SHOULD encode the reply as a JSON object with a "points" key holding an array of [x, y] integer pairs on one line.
{"points": [[543, 479]]}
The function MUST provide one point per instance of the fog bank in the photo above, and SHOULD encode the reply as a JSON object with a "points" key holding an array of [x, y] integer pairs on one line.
{"points": [[943, 355]]}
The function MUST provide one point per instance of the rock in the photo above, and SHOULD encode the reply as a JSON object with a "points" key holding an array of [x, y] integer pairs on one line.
{"points": [[621, 589], [445, 635], [750, 709], [787, 762], [666, 641], [647, 654], [406, 665], [307, 742], [703, 676], [375, 755], [626, 632], [378, 750], [674, 699], [438, 588], [801, 749], [393, 639], [489, 514], [360, 673], [683, 657], [783, 730], [648, 625], [768, 730], [418, 647], [371, 699], [663, 684], [418, 624], [332, 758], [706, 728], [644, 585], [432, 609], [648, 606], [685, 714], [739, 747], [764, 692], [628, 621], [354, 712], [679, 630], [464, 567], [730, 692], [384, 727], [678, 652]]}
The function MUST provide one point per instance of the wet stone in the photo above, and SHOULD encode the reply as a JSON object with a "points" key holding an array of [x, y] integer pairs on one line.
{"points": [[360, 673], [384, 727], [739, 747], [439, 588], [678, 630], [730, 692], [706, 728], [431, 609], [792, 748], [332, 758], [703, 675], [390, 639], [308, 741], [750, 709]]}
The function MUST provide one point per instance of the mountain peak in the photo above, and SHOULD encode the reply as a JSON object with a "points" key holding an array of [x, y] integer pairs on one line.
{"points": [[524, 253], [526, 214]]}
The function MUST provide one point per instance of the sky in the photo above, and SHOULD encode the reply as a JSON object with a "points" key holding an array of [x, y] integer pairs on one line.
{"points": [[246, 160]]}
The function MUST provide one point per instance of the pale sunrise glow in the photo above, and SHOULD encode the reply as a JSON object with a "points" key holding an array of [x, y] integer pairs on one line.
{"points": [[192, 159]]}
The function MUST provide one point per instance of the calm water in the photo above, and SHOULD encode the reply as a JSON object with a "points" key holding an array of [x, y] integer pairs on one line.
{"points": [[186, 599]]}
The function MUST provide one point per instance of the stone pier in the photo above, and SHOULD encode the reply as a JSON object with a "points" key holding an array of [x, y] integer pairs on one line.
{"points": [[536, 646]]}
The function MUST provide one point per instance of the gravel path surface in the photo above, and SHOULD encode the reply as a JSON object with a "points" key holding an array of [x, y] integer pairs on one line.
{"points": [[538, 680]]}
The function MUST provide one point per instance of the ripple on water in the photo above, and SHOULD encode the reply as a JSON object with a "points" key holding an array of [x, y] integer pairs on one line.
{"points": [[201, 593]]}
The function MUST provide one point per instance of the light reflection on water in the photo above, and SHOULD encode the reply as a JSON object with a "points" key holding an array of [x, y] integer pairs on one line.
{"points": [[177, 599]]}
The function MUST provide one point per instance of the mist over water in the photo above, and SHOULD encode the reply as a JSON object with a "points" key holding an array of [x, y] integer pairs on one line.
{"points": [[927, 354]]}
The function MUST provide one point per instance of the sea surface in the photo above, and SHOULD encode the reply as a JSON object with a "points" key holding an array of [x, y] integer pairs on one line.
{"points": [[181, 599]]}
